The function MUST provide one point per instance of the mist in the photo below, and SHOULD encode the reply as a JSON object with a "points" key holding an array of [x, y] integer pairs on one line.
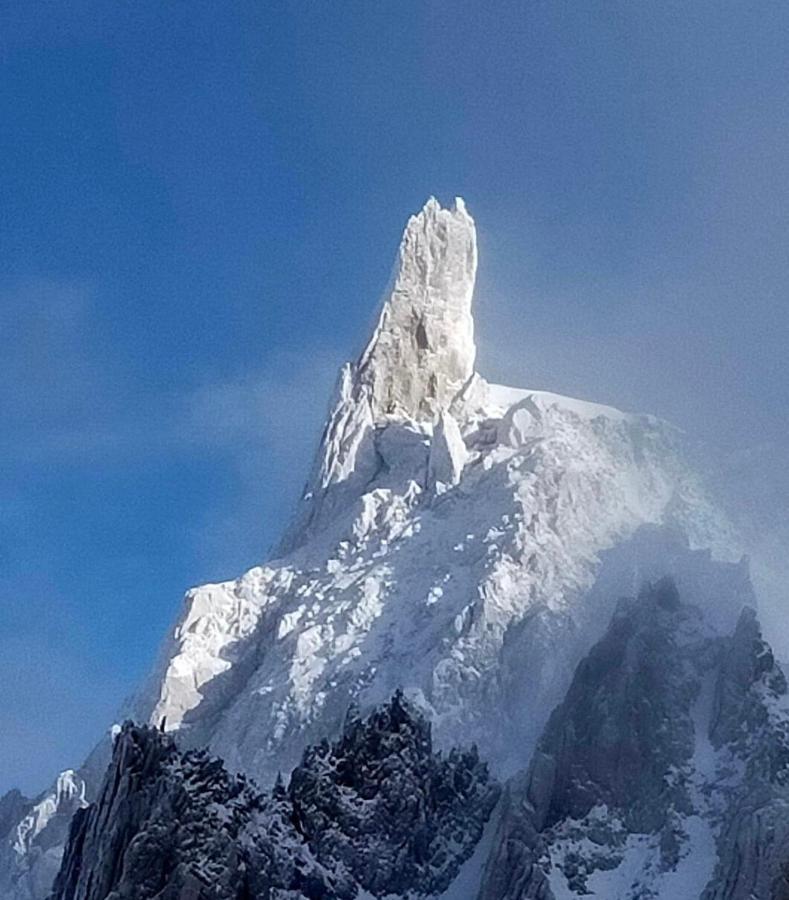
{"points": [[695, 334]]}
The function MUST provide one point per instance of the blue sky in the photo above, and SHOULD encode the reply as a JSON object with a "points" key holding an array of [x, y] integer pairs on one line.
{"points": [[199, 208]]}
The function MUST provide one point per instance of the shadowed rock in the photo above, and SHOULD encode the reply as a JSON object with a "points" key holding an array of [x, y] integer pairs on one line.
{"points": [[376, 810]]}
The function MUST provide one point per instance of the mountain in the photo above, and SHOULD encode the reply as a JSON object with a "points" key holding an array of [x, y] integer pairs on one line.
{"points": [[464, 541], [375, 811], [664, 773], [34, 834], [442, 515]]}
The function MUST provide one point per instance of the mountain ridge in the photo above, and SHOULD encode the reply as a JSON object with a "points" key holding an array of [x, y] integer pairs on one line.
{"points": [[663, 773], [456, 538], [377, 810]]}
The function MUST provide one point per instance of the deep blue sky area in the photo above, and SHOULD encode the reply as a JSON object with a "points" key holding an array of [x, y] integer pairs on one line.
{"points": [[200, 204]]}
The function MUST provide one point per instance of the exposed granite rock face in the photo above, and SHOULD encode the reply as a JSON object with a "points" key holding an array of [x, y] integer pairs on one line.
{"points": [[376, 810], [422, 352], [663, 774], [417, 361]]}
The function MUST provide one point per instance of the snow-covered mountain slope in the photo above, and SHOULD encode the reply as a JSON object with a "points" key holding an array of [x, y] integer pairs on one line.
{"points": [[376, 812], [462, 540], [448, 540], [663, 774]]}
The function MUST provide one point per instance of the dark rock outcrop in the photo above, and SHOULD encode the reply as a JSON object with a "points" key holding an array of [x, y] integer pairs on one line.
{"points": [[751, 721], [670, 750], [398, 816], [174, 825], [376, 810]]}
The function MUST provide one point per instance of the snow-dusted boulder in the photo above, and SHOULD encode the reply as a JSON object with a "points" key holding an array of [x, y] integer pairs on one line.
{"points": [[448, 454]]}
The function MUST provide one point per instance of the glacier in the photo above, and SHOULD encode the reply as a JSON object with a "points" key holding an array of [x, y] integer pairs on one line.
{"points": [[464, 541]]}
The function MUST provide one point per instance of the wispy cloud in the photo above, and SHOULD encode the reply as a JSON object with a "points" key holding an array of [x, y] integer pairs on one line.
{"points": [[65, 402]]}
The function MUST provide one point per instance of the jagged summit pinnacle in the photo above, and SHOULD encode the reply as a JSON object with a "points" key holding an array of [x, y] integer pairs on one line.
{"points": [[419, 358], [422, 350]]}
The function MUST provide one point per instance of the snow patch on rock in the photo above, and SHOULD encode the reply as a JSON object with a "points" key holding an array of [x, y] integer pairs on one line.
{"points": [[69, 792]]}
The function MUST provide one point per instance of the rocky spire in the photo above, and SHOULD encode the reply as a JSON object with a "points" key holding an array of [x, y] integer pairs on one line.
{"points": [[419, 357], [422, 351]]}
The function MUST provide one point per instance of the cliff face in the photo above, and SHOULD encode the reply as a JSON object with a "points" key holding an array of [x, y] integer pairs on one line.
{"points": [[663, 774], [375, 811]]}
